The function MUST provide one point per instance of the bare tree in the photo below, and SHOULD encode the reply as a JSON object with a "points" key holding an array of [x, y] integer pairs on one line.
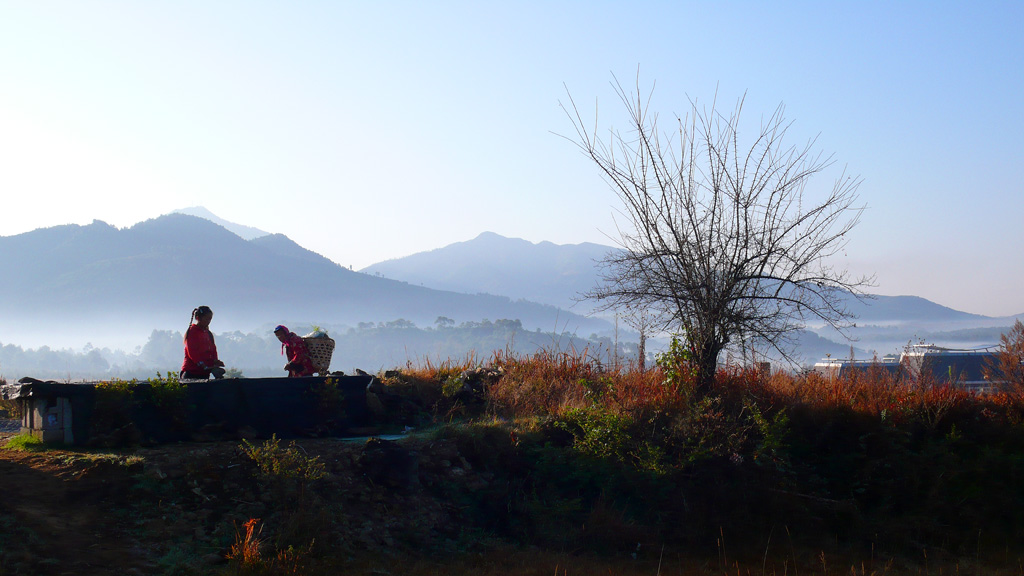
{"points": [[643, 320], [722, 241]]}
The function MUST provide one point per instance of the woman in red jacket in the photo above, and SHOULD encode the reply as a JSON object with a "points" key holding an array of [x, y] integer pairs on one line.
{"points": [[200, 349], [299, 362]]}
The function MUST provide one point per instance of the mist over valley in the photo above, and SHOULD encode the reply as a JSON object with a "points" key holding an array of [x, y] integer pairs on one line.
{"points": [[93, 301]]}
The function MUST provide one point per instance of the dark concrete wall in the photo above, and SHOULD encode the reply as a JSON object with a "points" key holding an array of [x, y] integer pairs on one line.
{"points": [[288, 407], [210, 409]]}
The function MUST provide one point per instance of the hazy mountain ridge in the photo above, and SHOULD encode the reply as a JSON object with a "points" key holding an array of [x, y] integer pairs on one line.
{"points": [[152, 274], [907, 309], [556, 274], [97, 279], [285, 246], [246, 232]]}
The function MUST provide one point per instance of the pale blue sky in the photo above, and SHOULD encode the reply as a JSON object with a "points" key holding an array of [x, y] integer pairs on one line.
{"points": [[369, 131]]}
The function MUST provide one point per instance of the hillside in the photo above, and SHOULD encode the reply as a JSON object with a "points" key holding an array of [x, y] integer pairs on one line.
{"points": [[98, 279], [492, 264]]}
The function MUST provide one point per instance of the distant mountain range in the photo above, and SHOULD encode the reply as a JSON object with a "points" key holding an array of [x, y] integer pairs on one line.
{"points": [[560, 274], [97, 278]]}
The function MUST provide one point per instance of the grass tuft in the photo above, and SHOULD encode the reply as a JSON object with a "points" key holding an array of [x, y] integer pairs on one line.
{"points": [[25, 443]]}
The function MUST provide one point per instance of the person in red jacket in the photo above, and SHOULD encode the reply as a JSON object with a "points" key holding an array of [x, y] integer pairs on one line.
{"points": [[200, 349], [299, 361]]}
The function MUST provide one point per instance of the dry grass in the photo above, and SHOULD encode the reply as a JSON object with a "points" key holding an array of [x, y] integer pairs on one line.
{"points": [[441, 370], [549, 383]]}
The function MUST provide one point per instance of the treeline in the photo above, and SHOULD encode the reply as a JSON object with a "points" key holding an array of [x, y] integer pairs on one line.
{"points": [[63, 364], [368, 346]]}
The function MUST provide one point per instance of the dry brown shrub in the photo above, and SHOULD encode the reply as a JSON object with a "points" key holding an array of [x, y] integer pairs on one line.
{"points": [[546, 382]]}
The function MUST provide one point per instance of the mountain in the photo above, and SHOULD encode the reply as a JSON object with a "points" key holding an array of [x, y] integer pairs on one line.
{"points": [[887, 324], [72, 284], [896, 309], [492, 264], [98, 279], [557, 274], [246, 232]]}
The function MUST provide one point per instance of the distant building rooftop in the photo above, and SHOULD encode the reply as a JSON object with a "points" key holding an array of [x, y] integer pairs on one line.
{"points": [[964, 367]]}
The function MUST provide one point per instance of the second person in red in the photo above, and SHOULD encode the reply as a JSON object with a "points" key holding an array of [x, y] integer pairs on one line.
{"points": [[299, 361]]}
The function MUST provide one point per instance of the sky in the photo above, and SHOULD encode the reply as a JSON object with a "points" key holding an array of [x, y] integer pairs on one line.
{"points": [[373, 130]]}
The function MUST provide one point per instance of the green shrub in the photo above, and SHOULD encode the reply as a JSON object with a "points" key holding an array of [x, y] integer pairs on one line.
{"points": [[598, 433], [451, 386], [330, 401], [677, 364], [112, 408], [25, 443], [771, 447], [284, 463], [170, 397]]}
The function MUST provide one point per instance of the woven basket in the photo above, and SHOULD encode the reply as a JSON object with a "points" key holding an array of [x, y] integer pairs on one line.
{"points": [[320, 351]]}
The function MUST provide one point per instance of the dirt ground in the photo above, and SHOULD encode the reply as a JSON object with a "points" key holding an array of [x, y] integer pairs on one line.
{"points": [[54, 517], [178, 508]]}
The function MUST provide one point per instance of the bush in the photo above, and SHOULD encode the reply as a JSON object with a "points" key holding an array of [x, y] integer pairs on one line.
{"points": [[284, 463], [25, 443], [112, 409]]}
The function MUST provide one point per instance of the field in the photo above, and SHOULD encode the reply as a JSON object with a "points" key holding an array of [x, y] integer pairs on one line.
{"points": [[553, 464]]}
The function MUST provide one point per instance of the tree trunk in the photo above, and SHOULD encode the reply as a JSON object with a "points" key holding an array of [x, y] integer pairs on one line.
{"points": [[643, 352], [706, 358]]}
